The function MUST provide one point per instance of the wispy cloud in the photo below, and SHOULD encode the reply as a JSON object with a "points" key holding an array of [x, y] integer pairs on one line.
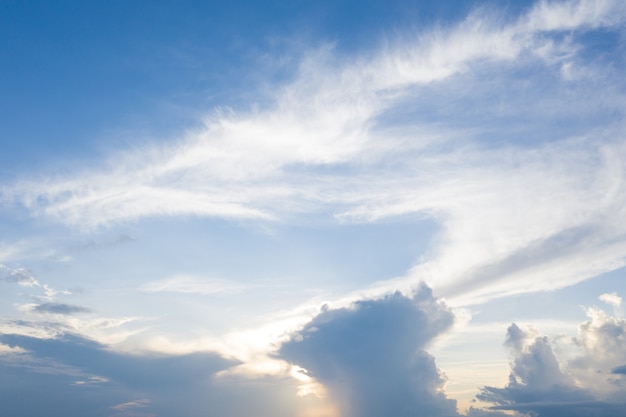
{"points": [[566, 15], [59, 308], [188, 284], [9, 350], [238, 165], [109, 330], [131, 404], [327, 141], [20, 276], [9, 251]]}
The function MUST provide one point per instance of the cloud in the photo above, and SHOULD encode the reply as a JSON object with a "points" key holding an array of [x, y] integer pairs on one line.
{"points": [[9, 251], [20, 276], [59, 308], [138, 384], [613, 300], [602, 338], [619, 370], [108, 330], [568, 409], [239, 164], [566, 15], [535, 378], [91, 380], [586, 386], [193, 285], [524, 182], [8, 350], [55, 364], [90, 245], [477, 412], [131, 412], [131, 404], [371, 357]]}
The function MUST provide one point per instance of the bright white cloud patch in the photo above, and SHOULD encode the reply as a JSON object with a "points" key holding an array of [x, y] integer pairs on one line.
{"points": [[612, 299], [7, 350]]}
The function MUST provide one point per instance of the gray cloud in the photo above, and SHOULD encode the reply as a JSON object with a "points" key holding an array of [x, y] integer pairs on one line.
{"points": [[477, 412], [602, 339], [371, 357], [20, 276], [60, 308], [568, 409], [75, 376], [619, 370], [89, 245], [538, 387]]}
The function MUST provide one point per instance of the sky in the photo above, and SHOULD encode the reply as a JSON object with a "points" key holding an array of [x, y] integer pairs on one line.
{"points": [[313, 208]]}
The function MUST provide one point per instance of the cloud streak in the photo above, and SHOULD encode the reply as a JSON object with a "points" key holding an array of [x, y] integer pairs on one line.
{"points": [[59, 308], [325, 117], [186, 284], [327, 141]]}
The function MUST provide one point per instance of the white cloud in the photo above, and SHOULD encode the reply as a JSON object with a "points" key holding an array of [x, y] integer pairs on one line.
{"points": [[19, 276], [602, 338], [567, 15], [556, 211], [188, 284], [238, 165], [612, 299], [107, 330], [131, 404], [509, 215], [524, 216], [589, 384], [10, 350], [8, 251], [91, 380]]}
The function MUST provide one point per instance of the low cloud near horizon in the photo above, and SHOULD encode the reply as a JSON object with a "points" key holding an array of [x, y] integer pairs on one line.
{"points": [[366, 359]]}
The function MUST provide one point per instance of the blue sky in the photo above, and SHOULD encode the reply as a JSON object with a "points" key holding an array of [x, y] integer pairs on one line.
{"points": [[312, 209]]}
